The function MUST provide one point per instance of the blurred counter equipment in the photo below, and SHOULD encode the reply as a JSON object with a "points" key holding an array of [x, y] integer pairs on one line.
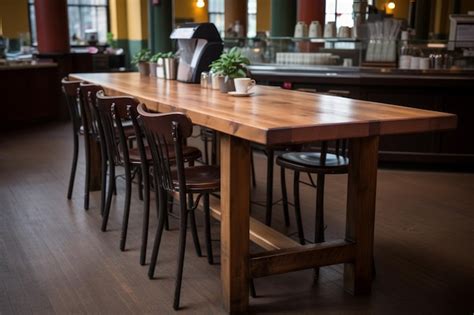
{"points": [[198, 46]]}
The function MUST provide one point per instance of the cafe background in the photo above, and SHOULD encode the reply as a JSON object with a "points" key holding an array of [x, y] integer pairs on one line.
{"points": [[139, 24]]}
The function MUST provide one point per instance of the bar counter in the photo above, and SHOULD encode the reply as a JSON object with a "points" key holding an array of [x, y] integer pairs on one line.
{"points": [[31, 93]]}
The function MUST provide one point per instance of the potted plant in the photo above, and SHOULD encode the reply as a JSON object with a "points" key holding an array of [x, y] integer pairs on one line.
{"points": [[230, 65], [170, 65], [154, 63], [140, 59]]}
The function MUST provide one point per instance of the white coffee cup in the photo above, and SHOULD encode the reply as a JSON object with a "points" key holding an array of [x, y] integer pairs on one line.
{"points": [[315, 29], [243, 85]]}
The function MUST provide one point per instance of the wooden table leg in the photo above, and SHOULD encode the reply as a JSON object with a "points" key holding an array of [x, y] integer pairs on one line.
{"points": [[361, 191], [95, 176], [235, 205]]}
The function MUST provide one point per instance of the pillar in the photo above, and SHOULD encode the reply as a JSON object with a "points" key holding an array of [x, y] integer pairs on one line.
{"points": [[235, 11], [52, 26], [283, 17], [160, 25], [311, 10], [422, 20]]}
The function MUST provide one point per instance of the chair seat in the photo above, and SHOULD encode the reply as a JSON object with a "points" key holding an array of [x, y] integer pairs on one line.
{"points": [[189, 153], [311, 162], [199, 178]]}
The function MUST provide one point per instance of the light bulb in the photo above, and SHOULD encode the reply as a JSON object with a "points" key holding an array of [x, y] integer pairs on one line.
{"points": [[200, 3], [391, 5]]}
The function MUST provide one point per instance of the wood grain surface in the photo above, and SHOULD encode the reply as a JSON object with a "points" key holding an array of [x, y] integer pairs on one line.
{"points": [[273, 115]]}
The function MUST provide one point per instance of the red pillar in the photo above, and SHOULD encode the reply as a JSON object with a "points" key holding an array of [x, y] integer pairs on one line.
{"points": [[52, 26], [311, 10]]}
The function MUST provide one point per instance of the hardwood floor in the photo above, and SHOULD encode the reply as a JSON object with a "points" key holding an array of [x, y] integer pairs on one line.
{"points": [[54, 259]]}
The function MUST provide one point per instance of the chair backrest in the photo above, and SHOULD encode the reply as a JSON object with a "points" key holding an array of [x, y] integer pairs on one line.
{"points": [[112, 112], [90, 119], [166, 132], [70, 93]]}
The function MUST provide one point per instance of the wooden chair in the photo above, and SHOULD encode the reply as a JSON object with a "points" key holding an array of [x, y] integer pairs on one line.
{"points": [[69, 89], [166, 135], [143, 154], [320, 163]]}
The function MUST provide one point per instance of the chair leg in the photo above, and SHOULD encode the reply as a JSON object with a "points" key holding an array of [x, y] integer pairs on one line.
{"points": [[319, 223], [88, 171], [108, 202], [319, 220], [146, 215], [206, 151], [269, 194], [253, 293], [194, 232], [182, 247], [126, 210], [140, 184], [299, 222], [73, 166], [103, 189], [214, 141], [252, 165], [284, 196], [161, 209], [207, 223]]}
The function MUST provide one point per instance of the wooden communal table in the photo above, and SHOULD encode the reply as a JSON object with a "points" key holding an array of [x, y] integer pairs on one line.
{"points": [[275, 116]]}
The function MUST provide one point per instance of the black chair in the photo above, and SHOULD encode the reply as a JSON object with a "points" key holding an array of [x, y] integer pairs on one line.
{"points": [[69, 89], [166, 135], [320, 163]]}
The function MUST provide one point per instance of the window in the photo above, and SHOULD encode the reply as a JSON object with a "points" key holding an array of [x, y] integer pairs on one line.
{"points": [[216, 14], [251, 18], [83, 15], [339, 11]]}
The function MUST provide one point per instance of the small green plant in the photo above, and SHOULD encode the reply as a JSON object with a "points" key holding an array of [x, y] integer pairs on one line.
{"points": [[111, 41], [169, 54], [155, 57], [141, 56], [232, 64]]}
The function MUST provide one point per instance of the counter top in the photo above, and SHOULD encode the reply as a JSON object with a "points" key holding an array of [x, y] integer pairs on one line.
{"points": [[23, 65]]}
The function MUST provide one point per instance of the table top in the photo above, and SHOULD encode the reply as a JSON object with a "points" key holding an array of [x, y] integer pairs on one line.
{"points": [[273, 115]]}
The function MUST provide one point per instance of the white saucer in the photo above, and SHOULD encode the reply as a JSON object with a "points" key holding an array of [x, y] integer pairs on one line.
{"points": [[237, 94]]}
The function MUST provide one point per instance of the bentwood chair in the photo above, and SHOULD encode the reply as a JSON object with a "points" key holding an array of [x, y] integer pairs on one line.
{"points": [[320, 163], [166, 135], [70, 92], [92, 134]]}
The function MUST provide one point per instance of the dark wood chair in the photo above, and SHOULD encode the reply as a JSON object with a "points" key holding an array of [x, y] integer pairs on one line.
{"points": [[320, 163], [143, 152], [166, 134], [70, 91]]}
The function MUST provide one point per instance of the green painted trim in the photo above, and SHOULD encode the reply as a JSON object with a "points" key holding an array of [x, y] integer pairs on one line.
{"points": [[283, 17], [130, 47]]}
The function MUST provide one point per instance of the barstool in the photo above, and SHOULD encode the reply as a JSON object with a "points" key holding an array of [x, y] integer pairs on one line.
{"points": [[321, 163], [163, 131]]}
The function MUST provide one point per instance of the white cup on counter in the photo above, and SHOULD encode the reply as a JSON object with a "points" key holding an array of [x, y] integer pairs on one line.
{"points": [[244, 85], [424, 63], [315, 29], [330, 30], [414, 63]]}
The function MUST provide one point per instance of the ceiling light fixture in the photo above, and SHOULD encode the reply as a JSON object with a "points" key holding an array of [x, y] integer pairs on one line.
{"points": [[200, 3]]}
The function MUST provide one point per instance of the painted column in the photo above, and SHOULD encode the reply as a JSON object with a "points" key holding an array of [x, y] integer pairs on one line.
{"points": [[422, 18], [283, 17], [52, 26], [311, 10], [160, 25]]}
